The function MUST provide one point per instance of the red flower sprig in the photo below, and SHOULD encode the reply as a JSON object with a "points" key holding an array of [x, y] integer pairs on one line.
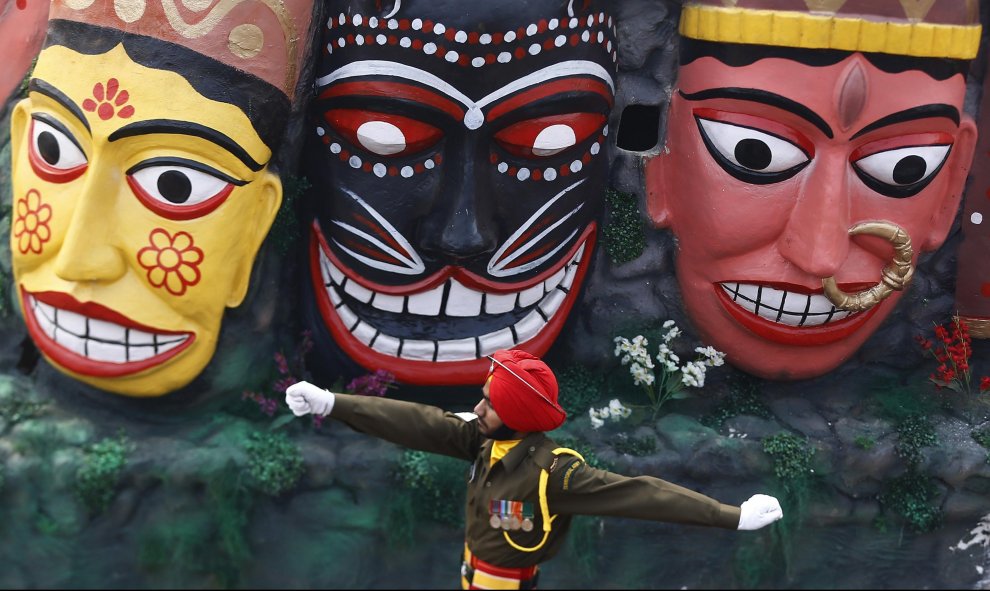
{"points": [[952, 349]]}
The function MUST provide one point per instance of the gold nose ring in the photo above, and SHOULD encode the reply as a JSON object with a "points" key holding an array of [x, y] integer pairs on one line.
{"points": [[895, 275]]}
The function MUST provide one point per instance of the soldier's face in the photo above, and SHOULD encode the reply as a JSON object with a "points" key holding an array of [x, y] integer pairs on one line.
{"points": [[488, 420], [769, 166], [460, 165]]}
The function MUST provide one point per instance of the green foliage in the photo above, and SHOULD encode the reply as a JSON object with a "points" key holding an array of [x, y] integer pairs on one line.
{"points": [[436, 486], [635, 446], [623, 236], [15, 410], [743, 399], [982, 436], [585, 449], [285, 230], [913, 433], [914, 496], [275, 463], [792, 457], [98, 476], [579, 387], [208, 538], [865, 442], [762, 557]]}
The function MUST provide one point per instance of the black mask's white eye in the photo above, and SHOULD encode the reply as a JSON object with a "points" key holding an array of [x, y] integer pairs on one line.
{"points": [[180, 188], [902, 172], [749, 155], [54, 151]]}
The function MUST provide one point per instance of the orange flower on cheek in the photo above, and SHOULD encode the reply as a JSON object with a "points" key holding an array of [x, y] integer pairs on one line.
{"points": [[172, 262], [31, 224]]}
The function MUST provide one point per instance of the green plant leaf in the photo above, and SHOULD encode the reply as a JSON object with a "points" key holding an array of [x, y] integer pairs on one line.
{"points": [[281, 422], [680, 395]]}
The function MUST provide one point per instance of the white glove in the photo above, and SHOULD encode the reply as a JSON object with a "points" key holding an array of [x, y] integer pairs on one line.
{"points": [[304, 398], [759, 511]]}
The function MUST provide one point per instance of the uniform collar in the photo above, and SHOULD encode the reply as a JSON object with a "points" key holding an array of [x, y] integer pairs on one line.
{"points": [[521, 450]]}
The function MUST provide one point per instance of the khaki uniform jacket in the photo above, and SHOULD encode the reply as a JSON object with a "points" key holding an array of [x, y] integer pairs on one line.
{"points": [[573, 488]]}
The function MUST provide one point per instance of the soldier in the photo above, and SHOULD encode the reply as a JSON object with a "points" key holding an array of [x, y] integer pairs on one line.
{"points": [[523, 489]]}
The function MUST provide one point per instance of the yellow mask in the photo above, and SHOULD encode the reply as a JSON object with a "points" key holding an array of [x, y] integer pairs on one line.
{"points": [[139, 206]]}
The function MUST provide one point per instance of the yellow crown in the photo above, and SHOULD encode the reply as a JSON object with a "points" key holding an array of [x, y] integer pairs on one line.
{"points": [[822, 27]]}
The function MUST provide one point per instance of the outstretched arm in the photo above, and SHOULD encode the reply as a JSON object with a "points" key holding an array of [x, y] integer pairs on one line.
{"points": [[581, 490], [417, 426]]}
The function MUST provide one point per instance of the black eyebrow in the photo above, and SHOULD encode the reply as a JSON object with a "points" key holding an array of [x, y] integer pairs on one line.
{"points": [[920, 112], [766, 98], [40, 86], [173, 126]]}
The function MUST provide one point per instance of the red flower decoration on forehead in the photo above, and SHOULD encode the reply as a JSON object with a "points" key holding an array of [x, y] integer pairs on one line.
{"points": [[108, 99]]}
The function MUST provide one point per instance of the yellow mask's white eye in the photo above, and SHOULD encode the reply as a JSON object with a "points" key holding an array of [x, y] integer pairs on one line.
{"points": [[903, 167], [54, 146], [750, 150], [176, 185], [178, 188]]}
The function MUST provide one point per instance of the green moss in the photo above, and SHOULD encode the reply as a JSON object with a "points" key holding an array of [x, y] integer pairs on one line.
{"points": [[285, 230], [864, 442], [898, 403], [206, 539], [982, 436], [275, 463], [98, 476], [914, 497], [580, 387], [792, 458], [635, 446], [623, 235], [583, 545], [914, 433], [743, 399]]}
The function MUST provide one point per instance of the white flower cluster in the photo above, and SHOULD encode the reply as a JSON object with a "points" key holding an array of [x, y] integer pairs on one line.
{"points": [[614, 411], [635, 355]]}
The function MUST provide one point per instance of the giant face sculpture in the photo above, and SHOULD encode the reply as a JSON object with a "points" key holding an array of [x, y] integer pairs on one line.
{"points": [[795, 176], [138, 213], [459, 168]]}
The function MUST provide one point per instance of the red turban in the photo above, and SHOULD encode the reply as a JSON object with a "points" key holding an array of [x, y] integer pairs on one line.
{"points": [[523, 392]]}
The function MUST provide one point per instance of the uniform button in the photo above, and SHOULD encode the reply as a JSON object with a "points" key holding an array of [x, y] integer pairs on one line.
{"points": [[487, 484], [532, 449]]}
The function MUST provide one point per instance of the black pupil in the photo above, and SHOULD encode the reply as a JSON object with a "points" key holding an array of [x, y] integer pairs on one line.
{"points": [[174, 186], [910, 169], [753, 154], [48, 147]]}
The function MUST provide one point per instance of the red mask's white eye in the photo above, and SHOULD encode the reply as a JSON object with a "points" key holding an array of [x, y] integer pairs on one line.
{"points": [[901, 172], [383, 134], [179, 188], [547, 136], [54, 154]]}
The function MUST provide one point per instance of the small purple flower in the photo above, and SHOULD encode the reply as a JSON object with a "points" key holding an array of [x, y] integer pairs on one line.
{"points": [[374, 384], [282, 363], [282, 385]]}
